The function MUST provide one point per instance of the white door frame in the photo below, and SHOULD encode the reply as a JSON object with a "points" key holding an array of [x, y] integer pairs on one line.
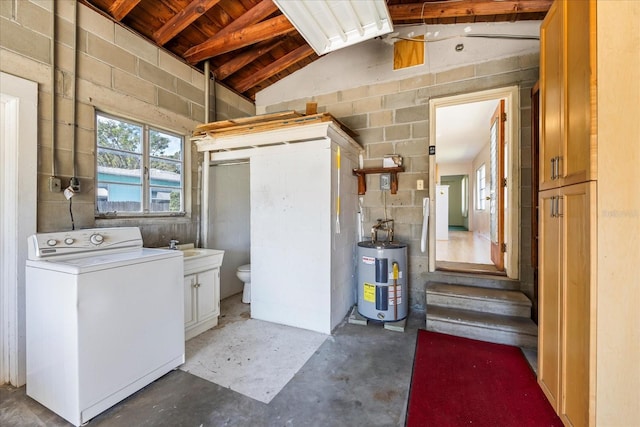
{"points": [[512, 169], [18, 189]]}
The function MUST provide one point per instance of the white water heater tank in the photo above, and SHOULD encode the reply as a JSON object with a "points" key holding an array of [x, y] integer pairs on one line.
{"points": [[382, 280]]}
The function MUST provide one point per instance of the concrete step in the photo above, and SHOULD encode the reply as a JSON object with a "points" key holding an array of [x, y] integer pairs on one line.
{"points": [[479, 280], [496, 328], [486, 300]]}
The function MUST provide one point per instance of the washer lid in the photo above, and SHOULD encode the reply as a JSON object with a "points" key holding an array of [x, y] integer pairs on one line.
{"points": [[102, 260], [246, 267]]}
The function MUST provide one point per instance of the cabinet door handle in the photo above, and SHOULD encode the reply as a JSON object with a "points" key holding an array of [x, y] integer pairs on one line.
{"points": [[554, 206], [558, 212], [558, 167], [553, 168]]}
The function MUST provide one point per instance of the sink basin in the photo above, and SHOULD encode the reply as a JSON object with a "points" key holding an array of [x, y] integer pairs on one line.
{"points": [[199, 259], [197, 252]]}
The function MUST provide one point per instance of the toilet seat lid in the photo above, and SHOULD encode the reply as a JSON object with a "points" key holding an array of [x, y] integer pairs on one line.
{"points": [[246, 267]]}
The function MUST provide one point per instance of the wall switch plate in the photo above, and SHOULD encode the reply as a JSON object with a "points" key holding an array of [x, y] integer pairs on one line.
{"points": [[55, 185], [420, 184], [385, 181]]}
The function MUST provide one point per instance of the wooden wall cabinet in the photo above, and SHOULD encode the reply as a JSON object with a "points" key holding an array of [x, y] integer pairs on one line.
{"points": [[567, 280], [589, 322], [549, 264], [567, 95], [567, 211]]}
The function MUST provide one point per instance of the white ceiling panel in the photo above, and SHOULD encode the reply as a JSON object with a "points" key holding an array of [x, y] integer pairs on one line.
{"points": [[328, 25]]}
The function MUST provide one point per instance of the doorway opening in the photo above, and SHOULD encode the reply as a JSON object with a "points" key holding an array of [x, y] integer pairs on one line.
{"points": [[18, 207], [474, 177]]}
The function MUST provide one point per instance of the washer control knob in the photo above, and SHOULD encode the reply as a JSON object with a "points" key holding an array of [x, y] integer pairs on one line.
{"points": [[52, 242], [69, 241], [96, 239]]}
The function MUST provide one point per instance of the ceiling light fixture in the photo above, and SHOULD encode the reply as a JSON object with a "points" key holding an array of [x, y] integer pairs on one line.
{"points": [[328, 25]]}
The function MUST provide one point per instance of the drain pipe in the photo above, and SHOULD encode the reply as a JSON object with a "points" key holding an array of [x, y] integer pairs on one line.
{"points": [[204, 206]]}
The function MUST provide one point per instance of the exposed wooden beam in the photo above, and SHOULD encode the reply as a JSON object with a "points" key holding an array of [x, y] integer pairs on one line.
{"points": [[275, 67], [239, 61], [121, 8], [462, 8], [238, 39], [252, 16], [182, 19]]}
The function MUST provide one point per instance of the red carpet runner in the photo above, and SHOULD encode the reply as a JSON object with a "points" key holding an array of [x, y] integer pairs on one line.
{"points": [[463, 382]]}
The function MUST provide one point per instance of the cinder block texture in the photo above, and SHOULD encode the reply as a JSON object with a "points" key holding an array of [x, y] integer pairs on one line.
{"points": [[401, 126], [118, 72]]}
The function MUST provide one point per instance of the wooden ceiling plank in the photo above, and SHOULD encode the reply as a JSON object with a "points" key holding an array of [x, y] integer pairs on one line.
{"points": [[238, 39], [252, 120], [239, 61], [182, 20], [121, 8], [438, 10], [275, 67]]}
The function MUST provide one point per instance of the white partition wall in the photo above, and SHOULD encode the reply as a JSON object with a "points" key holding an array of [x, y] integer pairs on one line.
{"points": [[302, 261], [291, 235]]}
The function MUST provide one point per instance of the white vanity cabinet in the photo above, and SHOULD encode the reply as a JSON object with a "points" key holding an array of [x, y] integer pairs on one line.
{"points": [[201, 291]]}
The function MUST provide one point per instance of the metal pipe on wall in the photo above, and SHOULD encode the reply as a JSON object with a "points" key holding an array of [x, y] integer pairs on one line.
{"points": [[207, 90], [53, 88], [204, 207], [75, 89]]}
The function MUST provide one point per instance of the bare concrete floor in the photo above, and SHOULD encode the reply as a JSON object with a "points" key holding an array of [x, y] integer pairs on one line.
{"points": [[359, 376]]}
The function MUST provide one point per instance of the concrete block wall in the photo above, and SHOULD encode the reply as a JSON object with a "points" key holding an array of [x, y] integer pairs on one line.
{"points": [[393, 118], [118, 72]]}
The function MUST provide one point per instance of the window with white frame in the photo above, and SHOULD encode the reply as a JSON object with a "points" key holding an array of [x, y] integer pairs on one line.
{"points": [[140, 168], [481, 188]]}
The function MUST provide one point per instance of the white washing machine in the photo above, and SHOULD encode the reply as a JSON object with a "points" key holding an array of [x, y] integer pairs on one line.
{"points": [[104, 318]]}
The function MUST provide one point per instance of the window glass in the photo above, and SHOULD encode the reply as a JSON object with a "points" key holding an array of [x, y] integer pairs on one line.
{"points": [[139, 168], [481, 189]]}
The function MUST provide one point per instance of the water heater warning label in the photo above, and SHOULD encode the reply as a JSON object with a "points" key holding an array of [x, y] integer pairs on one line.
{"points": [[368, 260], [393, 298], [369, 293]]}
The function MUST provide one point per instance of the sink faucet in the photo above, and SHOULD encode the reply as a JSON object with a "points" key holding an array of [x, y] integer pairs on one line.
{"points": [[173, 243]]}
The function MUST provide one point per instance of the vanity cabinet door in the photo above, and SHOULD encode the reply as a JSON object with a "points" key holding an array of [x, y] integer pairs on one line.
{"points": [[208, 285], [189, 300]]}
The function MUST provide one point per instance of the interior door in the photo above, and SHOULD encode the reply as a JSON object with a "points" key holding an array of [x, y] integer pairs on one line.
{"points": [[496, 193]]}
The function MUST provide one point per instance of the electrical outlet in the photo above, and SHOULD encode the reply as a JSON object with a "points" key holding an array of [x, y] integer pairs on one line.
{"points": [[385, 181], [74, 183], [420, 184], [55, 185]]}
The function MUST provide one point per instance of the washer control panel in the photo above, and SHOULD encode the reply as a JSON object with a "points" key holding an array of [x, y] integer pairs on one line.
{"points": [[77, 242]]}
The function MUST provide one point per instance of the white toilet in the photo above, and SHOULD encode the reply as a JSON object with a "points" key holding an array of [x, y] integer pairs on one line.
{"points": [[244, 274]]}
